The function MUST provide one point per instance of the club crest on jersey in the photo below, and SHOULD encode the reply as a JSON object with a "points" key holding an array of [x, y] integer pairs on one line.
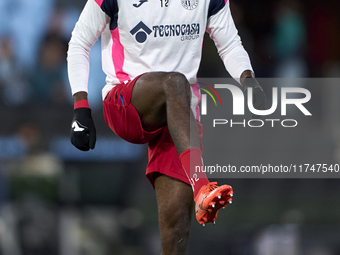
{"points": [[189, 4]]}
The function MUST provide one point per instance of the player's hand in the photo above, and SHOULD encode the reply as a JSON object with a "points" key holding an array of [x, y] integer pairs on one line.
{"points": [[83, 131], [259, 97]]}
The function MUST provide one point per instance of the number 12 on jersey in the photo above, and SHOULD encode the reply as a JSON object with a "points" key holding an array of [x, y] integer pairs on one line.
{"points": [[164, 3]]}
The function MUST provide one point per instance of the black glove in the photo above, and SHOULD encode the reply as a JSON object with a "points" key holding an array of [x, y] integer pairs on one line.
{"points": [[83, 131], [259, 97]]}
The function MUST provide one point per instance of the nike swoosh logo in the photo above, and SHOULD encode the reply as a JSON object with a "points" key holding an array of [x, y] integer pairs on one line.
{"points": [[140, 3], [76, 127]]}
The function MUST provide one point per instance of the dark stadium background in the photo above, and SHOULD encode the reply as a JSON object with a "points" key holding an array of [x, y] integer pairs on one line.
{"points": [[57, 200]]}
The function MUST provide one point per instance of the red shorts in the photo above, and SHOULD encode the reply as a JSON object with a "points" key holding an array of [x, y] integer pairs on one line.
{"points": [[122, 117]]}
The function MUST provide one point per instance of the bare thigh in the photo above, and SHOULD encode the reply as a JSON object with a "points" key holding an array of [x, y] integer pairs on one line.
{"points": [[151, 92], [149, 100], [175, 207]]}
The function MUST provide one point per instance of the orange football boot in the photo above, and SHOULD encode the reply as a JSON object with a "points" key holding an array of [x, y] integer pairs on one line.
{"points": [[210, 199]]}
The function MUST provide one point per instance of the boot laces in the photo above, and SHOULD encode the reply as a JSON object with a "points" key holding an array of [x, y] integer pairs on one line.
{"points": [[210, 186]]}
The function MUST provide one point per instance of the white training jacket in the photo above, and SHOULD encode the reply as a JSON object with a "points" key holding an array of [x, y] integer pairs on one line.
{"points": [[140, 36]]}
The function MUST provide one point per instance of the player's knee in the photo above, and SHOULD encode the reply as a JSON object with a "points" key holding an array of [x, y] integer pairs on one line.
{"points": [[176, 83], [181, 232], [177, 77], [177, 234], [178, 229]]}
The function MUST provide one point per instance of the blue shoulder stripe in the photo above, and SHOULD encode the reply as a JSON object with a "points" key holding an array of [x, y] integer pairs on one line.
{"points": [[215, 6], [110, 7]]}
